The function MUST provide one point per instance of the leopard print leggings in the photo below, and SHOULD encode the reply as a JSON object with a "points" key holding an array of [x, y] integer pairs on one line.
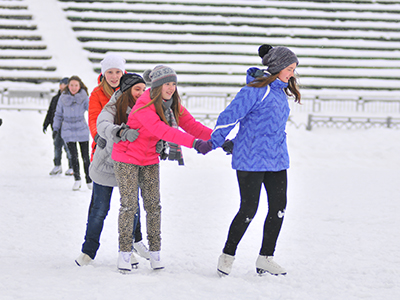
{"points": [[128, 177]]}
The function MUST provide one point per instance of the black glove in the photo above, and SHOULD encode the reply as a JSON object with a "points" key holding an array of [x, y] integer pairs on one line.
{"points": [[55, 134], [44, 128], [227, 146], [101, 143]]}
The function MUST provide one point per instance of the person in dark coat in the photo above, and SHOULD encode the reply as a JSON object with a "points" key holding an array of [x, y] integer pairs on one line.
{"points": [[57, 140]]}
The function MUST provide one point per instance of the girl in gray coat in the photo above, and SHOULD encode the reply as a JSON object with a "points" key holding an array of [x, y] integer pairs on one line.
{"points": [[111, 128], [70, 113]]}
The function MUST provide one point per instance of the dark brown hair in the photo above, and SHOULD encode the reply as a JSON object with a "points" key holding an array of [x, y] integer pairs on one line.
{"points": [[292, 90], [121, 105], [81, 84]]}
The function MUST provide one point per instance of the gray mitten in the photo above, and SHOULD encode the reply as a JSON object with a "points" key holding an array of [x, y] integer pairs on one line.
{"points": [[161, 148], [101, 143], [129, 135]]}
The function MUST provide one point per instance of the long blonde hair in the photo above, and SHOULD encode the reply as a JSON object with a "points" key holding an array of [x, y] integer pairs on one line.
{"points": [[107, 89], [292, 90]]}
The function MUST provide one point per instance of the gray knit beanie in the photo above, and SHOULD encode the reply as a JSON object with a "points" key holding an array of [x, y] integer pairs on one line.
{"points": [[160, 75], [276, 58]]}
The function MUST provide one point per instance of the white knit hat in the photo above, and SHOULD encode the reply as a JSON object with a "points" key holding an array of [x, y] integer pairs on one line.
{"points": [[112, 61]]}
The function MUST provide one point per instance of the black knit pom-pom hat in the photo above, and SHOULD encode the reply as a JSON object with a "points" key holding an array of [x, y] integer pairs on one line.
{"points": [[159, 75], [128, 80], [276, 58]]}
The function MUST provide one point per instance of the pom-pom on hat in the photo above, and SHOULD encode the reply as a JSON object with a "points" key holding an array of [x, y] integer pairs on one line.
{"points": [[112, 61], [128, 80], [276, 58], [160, 75]]}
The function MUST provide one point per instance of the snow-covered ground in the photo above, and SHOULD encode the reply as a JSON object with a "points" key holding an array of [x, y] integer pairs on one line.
{"points": [[340, 238]]}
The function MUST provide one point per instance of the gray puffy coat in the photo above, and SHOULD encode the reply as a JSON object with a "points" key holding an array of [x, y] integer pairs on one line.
{"points": [[101, 169], [70, 113]]}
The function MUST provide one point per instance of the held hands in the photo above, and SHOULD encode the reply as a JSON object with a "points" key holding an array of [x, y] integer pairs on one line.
{"points": [[202, 146], [101, 143], [227, 146]]}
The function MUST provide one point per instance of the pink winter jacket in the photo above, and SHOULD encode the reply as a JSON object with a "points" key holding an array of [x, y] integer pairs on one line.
{"points": [[142, 151]]}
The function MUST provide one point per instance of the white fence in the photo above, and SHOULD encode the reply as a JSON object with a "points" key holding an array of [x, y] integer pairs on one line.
{"points": [[207, 106], [21, 98], [318, 104]]}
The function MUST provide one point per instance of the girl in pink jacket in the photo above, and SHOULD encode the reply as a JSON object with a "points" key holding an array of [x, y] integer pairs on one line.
{"points": [[155, 118]]}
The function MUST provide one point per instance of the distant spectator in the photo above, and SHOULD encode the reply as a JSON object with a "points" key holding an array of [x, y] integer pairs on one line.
{"points": [[57, 140], [1, 121], [70, 112]]}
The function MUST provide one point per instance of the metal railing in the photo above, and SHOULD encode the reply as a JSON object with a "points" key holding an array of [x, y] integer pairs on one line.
{"points": [[352, 122], [206, 107], [10, 97]]}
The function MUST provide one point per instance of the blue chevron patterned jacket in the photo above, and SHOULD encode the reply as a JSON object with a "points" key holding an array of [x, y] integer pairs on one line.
{"points": [[260, 144]]}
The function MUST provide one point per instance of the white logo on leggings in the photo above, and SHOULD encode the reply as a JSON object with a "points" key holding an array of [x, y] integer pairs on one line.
{"points": [[281, 214]]}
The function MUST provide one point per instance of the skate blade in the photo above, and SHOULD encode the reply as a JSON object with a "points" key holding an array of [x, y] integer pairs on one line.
{"points": [[263, 272], [221, 274], [124, 271], [135, 266]]}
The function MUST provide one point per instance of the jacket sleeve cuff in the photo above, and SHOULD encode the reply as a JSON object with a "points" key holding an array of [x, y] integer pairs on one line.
{"points": [[114, 133]]}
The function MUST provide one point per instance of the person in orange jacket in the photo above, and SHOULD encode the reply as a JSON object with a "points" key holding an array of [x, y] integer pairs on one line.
{"points": [[112, 69]]}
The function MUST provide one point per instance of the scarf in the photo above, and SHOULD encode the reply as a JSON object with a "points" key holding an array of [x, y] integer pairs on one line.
{"points": [[175, 151]]}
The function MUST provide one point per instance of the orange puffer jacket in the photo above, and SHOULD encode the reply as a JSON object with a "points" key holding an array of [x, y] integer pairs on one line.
{"points": [[97, 101]]}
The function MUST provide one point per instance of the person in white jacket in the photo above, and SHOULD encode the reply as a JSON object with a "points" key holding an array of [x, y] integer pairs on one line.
{"points": [[111, 121]]}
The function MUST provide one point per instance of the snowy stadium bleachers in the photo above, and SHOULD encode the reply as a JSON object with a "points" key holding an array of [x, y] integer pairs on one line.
{"points": [[21, 48], [342, 45], [346, 48], [23, 55]]}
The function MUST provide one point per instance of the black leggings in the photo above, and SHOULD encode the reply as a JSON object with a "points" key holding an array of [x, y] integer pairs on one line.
{"points": [[275, 184], [75, 162]]}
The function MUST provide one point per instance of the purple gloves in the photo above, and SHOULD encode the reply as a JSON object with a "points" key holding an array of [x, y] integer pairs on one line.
{"points": [[202, 147]]}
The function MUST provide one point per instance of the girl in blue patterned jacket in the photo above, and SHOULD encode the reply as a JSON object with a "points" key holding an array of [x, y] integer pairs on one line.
{"points": [[259, 151]]}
